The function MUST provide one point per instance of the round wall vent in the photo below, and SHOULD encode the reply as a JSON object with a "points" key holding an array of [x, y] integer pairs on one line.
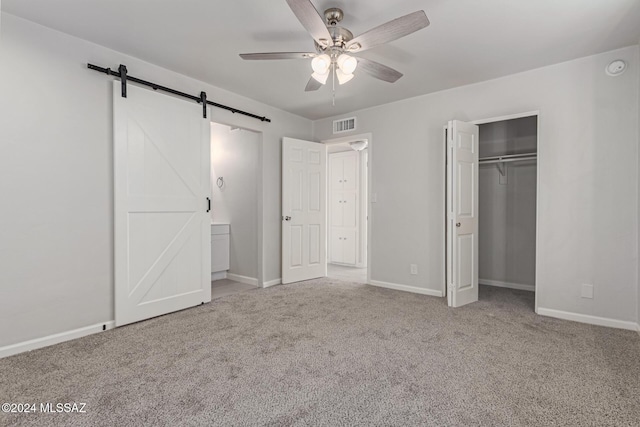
{"points": [[615, 68]]}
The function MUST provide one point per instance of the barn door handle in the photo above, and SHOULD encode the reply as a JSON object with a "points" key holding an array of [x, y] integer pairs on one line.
{"points": [[208, 204]]}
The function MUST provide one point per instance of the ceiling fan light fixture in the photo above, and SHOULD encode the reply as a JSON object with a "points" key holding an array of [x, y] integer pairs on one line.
{"points": [[342, 76], [321, 64], [321, 78], [347, 63]]}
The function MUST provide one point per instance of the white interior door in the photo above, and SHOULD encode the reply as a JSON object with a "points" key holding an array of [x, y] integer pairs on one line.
{"points": [[304, 215], [462, 221], [161, 184]]}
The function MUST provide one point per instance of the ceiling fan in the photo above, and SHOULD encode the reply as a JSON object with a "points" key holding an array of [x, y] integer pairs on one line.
{"points": [[335, 45]]}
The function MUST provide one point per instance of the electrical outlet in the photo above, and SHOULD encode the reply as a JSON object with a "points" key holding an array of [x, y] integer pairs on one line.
{"points": [[587, 291], [414, 269]]}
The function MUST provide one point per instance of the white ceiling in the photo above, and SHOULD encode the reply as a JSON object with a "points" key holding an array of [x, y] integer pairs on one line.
{"points": [[468, 41]]}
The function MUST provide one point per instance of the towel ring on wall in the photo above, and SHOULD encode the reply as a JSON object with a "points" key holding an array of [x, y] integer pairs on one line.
{"points": [[220, 182]]}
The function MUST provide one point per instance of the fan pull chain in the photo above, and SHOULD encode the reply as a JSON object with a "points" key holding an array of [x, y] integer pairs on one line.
{"points": [[333, 83]]}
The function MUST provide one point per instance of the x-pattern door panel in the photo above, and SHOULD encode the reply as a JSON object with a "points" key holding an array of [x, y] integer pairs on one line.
{"points": [[161, 182]]}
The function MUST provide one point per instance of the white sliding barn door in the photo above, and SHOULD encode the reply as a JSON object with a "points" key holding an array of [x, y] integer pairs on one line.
{"points": [[161, 184], [304, 215], [462, 213]]}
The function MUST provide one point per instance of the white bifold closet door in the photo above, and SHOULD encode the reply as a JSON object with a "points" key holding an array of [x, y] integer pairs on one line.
{"points": [[161, 185], [462, 214]]}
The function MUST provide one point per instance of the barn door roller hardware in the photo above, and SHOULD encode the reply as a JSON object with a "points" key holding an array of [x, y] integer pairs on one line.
{"points": [[202, 99]]}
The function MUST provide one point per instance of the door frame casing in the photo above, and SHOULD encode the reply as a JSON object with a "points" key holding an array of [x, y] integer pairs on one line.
{"points": [[365, 205], [532, 113]]}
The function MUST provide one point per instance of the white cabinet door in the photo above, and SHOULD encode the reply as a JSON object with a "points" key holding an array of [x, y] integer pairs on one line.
{"points": [[219, 252], [349, 209], [349, 245], [350, 171], [161, 225], [304, 213], [343, 245], [462, 227], [336, 246], [343, 171], [335, 173], [337, 214]]}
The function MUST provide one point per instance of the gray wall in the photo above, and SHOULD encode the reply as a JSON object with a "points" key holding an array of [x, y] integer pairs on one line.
{"points": [[589, 175], [56, 174], [235, 157]]}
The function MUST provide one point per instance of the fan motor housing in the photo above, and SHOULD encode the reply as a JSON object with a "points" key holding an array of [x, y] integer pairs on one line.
{"points": [[341, 36]]}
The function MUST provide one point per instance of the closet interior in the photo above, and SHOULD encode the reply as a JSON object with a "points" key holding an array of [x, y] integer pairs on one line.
{"points": [[507, 190]]}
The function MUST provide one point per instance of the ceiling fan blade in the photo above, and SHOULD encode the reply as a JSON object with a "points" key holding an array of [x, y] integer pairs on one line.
{"points": [[390, 31], [311, 21], [278, 55], [312, 85], [378, 70]]}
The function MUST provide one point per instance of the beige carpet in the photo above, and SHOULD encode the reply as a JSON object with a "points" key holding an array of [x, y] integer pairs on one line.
{"points": [[328, 353]]}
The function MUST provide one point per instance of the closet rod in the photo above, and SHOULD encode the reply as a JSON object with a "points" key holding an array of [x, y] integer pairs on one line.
{"points": [[509, 156], [507, 160]]}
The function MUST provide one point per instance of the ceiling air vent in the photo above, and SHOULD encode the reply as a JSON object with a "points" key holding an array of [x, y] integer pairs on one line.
{"points": [[344, 125]]}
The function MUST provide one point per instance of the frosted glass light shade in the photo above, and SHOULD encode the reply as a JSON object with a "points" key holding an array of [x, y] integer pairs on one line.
{"points": [[359, 145], [321, 78], [321, 63], [347, 63], [342, 76]]}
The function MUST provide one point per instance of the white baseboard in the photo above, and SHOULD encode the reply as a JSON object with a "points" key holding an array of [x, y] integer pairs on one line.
{"points": [[271, 283], [219, 275], [406, 288], [585, 318], [34, 344], [510, 285], [243, 279]]}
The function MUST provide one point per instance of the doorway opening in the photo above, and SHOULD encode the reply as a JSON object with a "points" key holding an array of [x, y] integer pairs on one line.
{"points": [[347, 208], [507, 193], [507, 182], [235, 209]]}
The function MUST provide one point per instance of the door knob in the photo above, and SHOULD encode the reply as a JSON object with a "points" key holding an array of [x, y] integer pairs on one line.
{"points": [[458, 224], [287, 218]]}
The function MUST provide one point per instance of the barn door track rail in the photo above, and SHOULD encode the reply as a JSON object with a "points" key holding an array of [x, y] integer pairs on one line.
{"points": [[201, 99]]}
